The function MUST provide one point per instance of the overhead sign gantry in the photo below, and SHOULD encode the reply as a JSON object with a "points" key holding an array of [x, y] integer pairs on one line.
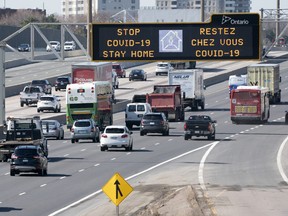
{"points": [[227, 36]]}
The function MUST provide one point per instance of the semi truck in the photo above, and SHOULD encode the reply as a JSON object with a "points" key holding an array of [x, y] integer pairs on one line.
{"points": [[250, 104], [167, 99], [192, 87], [22, 131], [266, 75]]}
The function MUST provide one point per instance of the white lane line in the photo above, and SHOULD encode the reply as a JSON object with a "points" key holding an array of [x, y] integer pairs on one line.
{"points": [[130, 177], [247, 130], [83, 150], [143, 148], [43, 185], [226, 122], [242, 132], [227, 138], [201, 165], [128, 153], [0, 202], [232, 136], [170, 140], [66, 155], [279, 164], [63, 177], [113, 158], [81, 170], [23, 193], [6, 173], [156, 144], [96, 165]]}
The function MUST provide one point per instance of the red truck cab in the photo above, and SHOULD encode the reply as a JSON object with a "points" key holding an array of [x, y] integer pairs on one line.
{"points": [[120, 71]]}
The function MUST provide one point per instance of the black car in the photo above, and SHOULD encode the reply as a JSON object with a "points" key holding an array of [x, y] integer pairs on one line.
{"points": [[24, 48], [138, 74], [45, 84], [61, 82], [154, 123], [28, 158]]}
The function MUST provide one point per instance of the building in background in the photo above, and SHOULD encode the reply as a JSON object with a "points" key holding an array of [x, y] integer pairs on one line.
{"points": [[80, 7]]}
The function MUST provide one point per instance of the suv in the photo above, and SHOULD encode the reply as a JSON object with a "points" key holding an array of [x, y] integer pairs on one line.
{"points": [[61, 82], [55, 45], [69, 46], [85, 129], [45, 84], [138, 74], [154, 123], [28, 158], [163, 68], [49, 102], [121, 72]]}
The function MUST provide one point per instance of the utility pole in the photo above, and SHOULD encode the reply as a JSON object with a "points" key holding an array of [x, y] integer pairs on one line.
{"points": [[89, 21], [277, 22], [202, 11]]}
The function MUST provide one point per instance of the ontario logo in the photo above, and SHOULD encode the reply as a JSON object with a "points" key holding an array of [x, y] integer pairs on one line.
{"points": [[226, 19]]}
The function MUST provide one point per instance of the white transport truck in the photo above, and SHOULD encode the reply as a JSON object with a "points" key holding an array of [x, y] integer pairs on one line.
{"points": [[192, 86], [266, 75]]}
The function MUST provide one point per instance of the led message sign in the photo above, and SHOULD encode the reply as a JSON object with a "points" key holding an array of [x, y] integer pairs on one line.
{"points": [[227, 36]]}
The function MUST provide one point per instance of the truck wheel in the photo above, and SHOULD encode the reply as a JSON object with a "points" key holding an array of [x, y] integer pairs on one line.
{"points": [[12, 172], [72, 141], [21, 104], [186, 137], [142, 133], [202, 106], [38, 110], [102, 148]]}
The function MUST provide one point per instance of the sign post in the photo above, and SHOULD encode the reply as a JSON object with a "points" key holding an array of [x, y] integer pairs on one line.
{"points": [[226, 37], [117, 189]]}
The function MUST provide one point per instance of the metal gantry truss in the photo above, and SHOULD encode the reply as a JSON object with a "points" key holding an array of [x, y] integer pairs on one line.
{"points": [[276, 16], [65, 28]]}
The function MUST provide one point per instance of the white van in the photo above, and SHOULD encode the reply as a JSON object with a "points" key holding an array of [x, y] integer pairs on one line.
{"points": [[134, 113]]}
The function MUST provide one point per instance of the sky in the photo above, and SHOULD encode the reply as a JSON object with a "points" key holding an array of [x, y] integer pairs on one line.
{"points": [[54, 6]]}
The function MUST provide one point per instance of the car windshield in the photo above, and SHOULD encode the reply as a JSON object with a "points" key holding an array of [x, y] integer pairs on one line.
{"points": [[26, 152], [68, 44], [24, 45], [115, 130], [31, 90], [53, 43], [116, 67], [199, 118], [162, 65], [82, 124], [62, 79], [47, 99], [37, 82], [152, 117], [136, 72]]}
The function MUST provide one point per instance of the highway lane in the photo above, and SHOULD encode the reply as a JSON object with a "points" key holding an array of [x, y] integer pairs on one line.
{"points": [[81, 165]]}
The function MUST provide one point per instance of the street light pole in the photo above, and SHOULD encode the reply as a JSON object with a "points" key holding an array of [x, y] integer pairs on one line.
{"points": [[277, 21], [202, 11], [89, 21]]}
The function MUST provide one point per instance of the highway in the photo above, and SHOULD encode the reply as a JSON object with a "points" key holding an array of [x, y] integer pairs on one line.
{"points": [[240, 170]]}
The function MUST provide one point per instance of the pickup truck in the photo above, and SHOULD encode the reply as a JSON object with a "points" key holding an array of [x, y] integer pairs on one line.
{"points": [[199, 125], [30, 95]]}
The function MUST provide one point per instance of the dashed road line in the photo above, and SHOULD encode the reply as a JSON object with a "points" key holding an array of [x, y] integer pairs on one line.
{"points": [[23, 193], [113, 159], [63, 177], [96, 165], [43, 185], [156, 144], [81, 170]]}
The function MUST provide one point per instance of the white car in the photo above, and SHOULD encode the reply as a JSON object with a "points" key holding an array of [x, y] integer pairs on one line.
{"points": [[163, 68], [69, 46], [55, 45], [116, 136], [49, 102]]}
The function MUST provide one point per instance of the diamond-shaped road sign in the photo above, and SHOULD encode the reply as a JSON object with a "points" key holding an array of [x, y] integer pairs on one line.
{"points": [[117, 189]]}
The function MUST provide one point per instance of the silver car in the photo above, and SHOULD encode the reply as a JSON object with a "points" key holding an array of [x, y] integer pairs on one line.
{"points": [[85, 129], [52, 128]]}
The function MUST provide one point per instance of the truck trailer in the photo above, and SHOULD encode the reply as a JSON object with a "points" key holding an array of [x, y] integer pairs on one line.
{"points": [[266, 75], [167, 99], [192, 87]]}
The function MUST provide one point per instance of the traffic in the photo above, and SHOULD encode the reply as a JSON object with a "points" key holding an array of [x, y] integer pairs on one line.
{"points": [[157, 146]]}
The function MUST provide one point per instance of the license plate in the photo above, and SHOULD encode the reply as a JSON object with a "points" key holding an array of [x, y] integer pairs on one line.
{"points": [[113, 137], [82, 131], [140, 115], [25, 160], [196, 132], [152, 123]]}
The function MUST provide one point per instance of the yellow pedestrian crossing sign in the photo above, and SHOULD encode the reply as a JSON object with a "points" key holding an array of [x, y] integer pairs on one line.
{"points": [[117, 189]]}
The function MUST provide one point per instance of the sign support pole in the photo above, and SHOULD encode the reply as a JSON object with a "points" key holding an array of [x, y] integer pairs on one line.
{"points": [[117, 210]]}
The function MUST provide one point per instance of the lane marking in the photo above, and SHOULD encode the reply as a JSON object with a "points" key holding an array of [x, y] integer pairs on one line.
{"points": [[170, 140], [128, 178], [63, 177], [83, 150], [65, 155], [23, 193], [81, 170], [96, 165], [156, 144], [128, 153], [43, 185], [113, 158], [201, 165], [279, 164], [143, 148]]}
